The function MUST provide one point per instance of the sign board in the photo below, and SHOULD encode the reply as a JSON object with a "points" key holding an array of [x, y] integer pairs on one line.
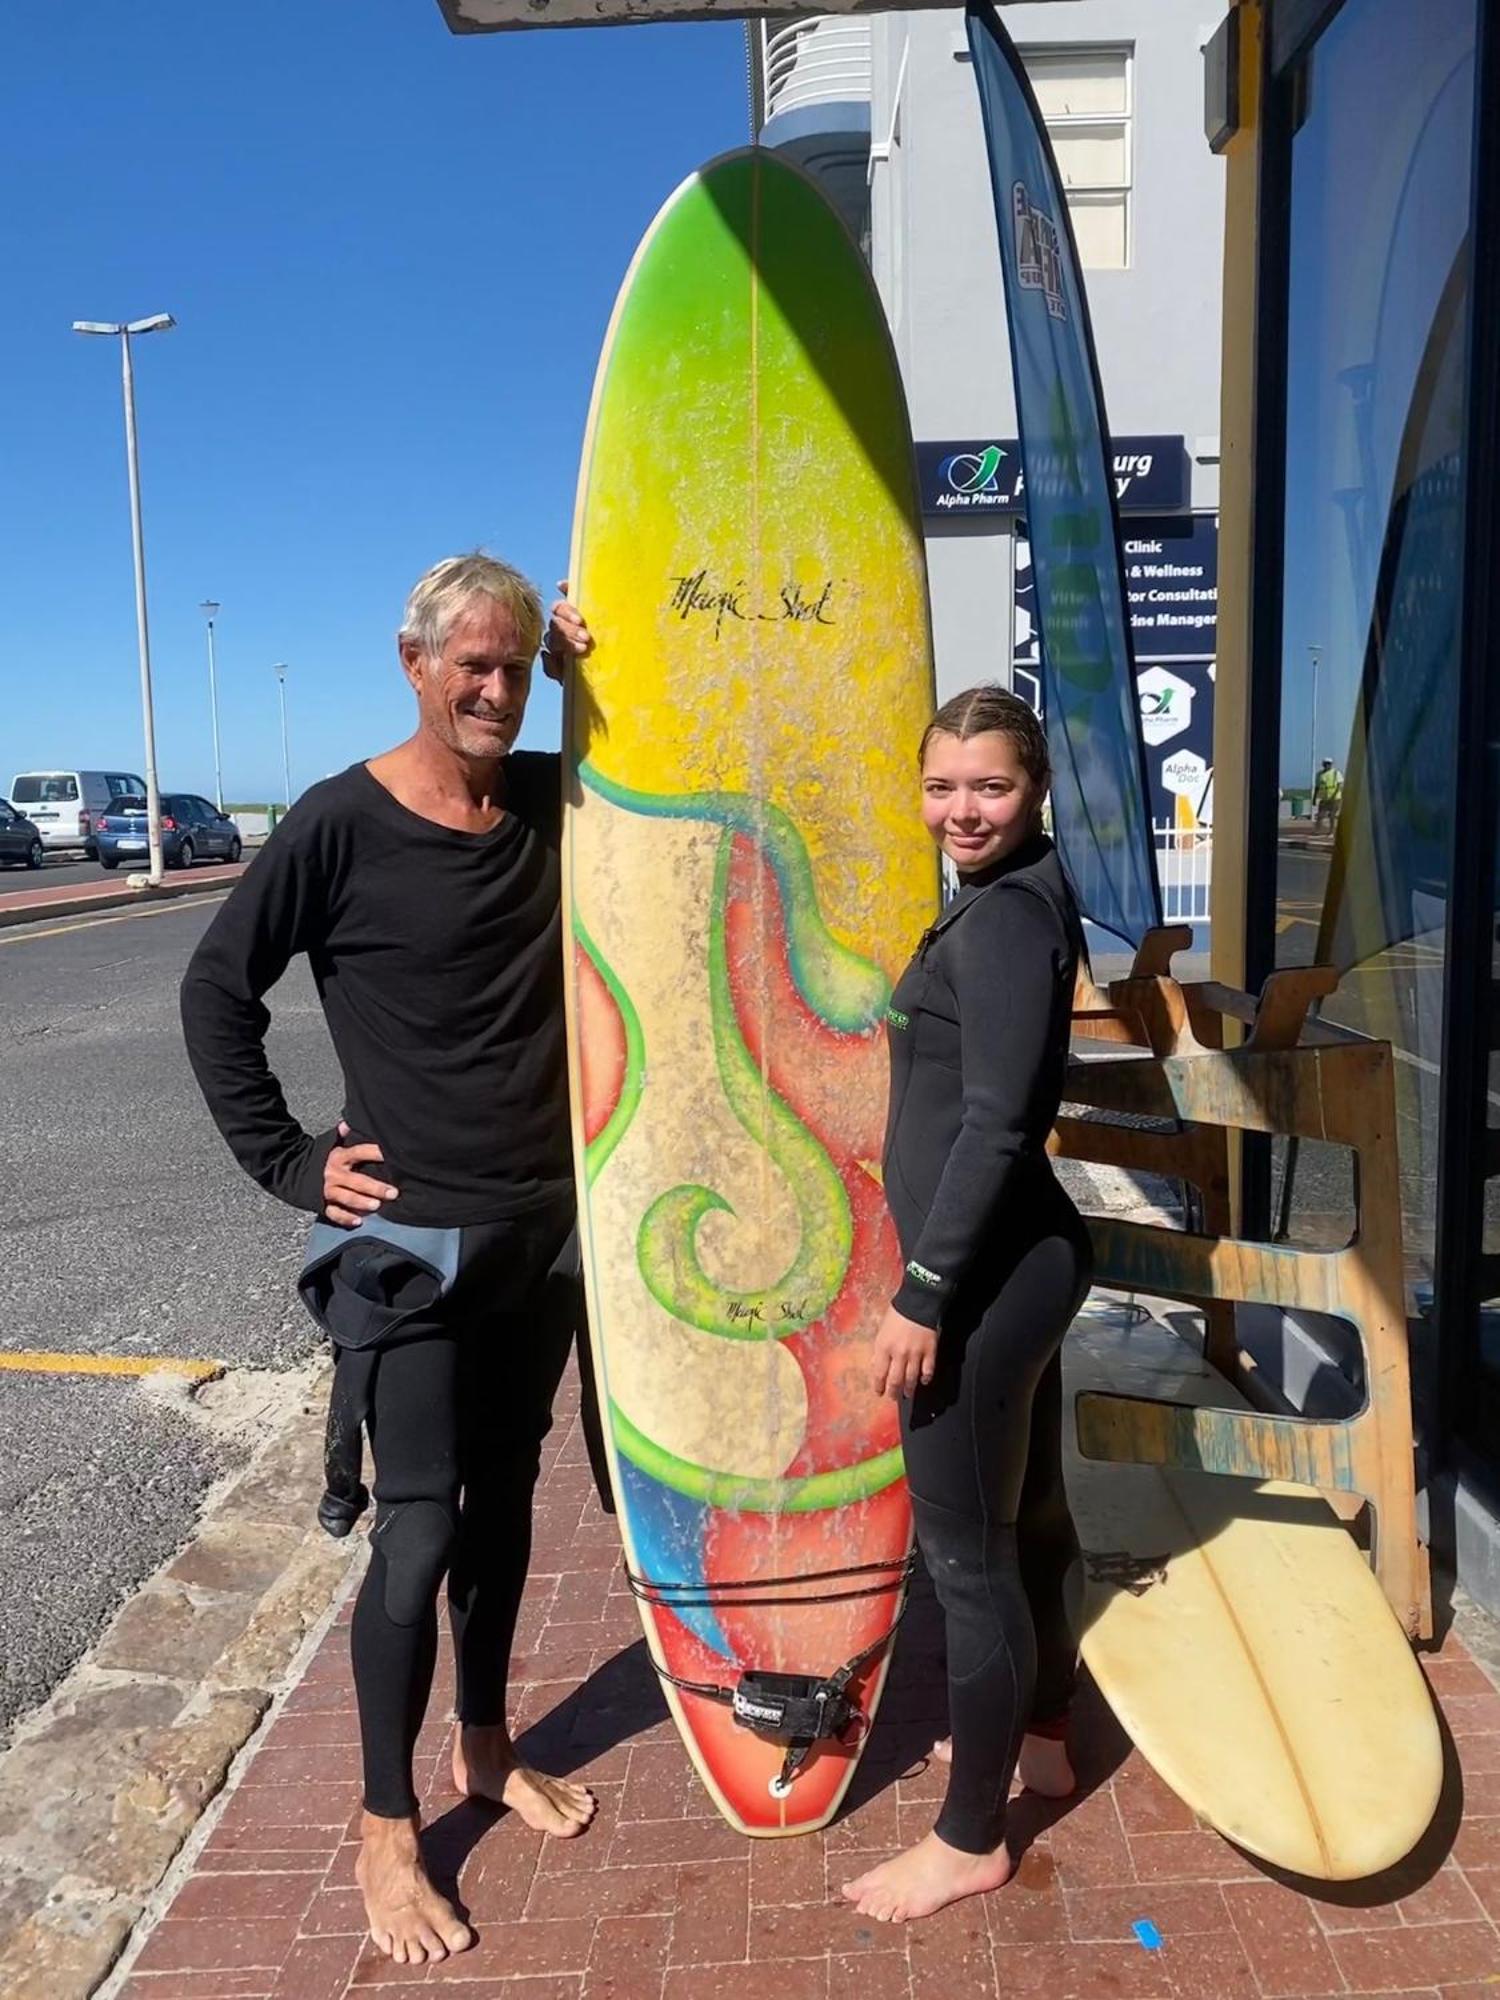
{"points": [[483, 17], [984, 475], [1176, 692], [1172, 584]]}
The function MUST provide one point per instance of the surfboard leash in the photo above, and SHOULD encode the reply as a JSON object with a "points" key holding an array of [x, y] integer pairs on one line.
{"points": [[798, 1710]]}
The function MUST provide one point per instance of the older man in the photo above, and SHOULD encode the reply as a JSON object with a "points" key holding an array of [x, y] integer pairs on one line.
{"points": [[423, 887]]}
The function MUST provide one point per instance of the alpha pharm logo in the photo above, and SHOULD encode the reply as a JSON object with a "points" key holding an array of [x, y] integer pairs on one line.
{"points": [[1166, 704], [972, 471], [1038, 251]]}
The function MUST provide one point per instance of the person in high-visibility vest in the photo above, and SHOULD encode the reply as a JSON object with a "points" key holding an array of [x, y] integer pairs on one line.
{"points": [[1328, 791]]}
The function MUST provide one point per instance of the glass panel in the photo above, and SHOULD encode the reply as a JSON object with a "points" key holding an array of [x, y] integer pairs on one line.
{"points": [[1091, 156], [1376, 402], [1078, 83], [1099, 225]]}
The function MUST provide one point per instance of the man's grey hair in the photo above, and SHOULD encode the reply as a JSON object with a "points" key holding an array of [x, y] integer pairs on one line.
{"points": [[450, 586]]}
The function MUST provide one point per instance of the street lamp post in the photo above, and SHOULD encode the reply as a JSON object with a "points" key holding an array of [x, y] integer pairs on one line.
{"points": [[210, 611], [286, 762], [157, 323], [1316, 653]]}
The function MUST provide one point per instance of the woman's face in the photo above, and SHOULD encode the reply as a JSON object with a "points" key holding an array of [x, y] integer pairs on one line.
{"points": [[978, 803]]}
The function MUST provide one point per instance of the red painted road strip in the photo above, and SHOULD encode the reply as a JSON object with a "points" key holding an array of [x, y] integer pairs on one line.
{"points": [[30, 906]]}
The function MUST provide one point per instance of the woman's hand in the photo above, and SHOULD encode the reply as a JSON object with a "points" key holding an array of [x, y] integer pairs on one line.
{"points": [[348, 1194], [568, 637], [905, 1355]]}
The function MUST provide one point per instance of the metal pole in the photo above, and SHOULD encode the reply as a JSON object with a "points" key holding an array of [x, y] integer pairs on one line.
{"points": [[286, 762], [213, 709], [143, 635], [1312, 741]]}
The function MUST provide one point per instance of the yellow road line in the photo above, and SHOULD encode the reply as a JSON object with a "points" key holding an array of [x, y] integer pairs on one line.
{"points": [[34, 1361], [23, 933]]}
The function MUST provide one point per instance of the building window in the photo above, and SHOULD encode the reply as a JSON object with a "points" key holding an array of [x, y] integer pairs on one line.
{"points": [[1085, 97]]}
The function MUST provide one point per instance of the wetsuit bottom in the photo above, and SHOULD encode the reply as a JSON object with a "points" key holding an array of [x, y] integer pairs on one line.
{"points": [[983, 1448], [460, 1406]]}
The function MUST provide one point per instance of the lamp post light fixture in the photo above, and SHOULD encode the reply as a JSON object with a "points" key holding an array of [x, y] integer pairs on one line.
{"points": [[1315, 653], [286, 762], [123, 330], [210, 611]]}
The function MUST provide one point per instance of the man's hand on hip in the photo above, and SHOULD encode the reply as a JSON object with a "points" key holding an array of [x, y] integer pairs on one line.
{"points": [[349, 1194], [568, 637]]}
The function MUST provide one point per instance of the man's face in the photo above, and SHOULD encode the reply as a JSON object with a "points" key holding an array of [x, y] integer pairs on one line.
{"points": [[472, 697]]}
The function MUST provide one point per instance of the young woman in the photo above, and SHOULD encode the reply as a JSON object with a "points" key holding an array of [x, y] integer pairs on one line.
{"points": [[997, 1263]]}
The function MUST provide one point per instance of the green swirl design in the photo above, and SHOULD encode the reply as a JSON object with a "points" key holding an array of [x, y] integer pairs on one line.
{"points": [[841, 988], [666, 1246], [604, 1141], [838, 1487]]}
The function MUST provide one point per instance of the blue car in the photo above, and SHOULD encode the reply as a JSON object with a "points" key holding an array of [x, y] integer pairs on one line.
{"points": [[192, 829]]}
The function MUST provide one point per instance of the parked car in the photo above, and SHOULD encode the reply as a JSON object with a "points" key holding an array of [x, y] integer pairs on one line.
{"points": [[192, 829], [65, 805], [20, 839]]}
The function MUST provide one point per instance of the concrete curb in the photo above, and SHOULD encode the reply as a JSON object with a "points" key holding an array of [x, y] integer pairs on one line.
{"points": [[42, 908], [106, 1781]]}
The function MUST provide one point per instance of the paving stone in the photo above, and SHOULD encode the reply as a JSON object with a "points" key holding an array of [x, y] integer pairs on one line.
{"points": [[64, 1949], [1282, 1939], [1428, 1955], [170, 1630], [661, 1901]]}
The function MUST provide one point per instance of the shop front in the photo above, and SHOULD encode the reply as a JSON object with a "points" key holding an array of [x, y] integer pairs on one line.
{"points": [[1359, 705]]}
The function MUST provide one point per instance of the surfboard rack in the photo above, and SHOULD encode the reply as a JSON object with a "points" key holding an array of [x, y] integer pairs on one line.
{"points": [[1292, 1077]]}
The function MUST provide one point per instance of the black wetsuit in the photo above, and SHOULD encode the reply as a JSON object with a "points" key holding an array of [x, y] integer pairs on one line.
{"points": [[438, 959], [997, 1259]]}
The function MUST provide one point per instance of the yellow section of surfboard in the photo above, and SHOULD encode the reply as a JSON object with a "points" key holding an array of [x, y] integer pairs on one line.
{"points": [[1239, 1635]]}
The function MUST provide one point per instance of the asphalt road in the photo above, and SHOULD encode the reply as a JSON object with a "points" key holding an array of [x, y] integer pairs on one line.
{"points": [[126, 1230]]}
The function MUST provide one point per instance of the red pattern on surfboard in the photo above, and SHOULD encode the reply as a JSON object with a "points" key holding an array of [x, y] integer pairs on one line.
{"points": [[835, 1083], [817, 1640], [601, 1045]]}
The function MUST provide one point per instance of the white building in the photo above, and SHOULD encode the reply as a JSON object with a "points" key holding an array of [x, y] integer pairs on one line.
{"points": [[884, 112]]}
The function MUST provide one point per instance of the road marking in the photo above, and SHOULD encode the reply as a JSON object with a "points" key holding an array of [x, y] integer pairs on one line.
{"points": [[34, 1361], [24, 933]]}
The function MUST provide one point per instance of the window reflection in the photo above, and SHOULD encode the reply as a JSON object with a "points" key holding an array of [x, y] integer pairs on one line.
{"points": [[1376, 396]]}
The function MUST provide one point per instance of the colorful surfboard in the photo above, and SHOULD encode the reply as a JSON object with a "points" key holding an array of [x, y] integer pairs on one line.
{"points": [[745, 874]]}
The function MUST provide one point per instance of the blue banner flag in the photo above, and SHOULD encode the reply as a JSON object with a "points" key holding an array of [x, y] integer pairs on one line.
{"points": [[1100, 818]]}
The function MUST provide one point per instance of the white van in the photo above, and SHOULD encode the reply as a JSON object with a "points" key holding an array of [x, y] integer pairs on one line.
{"points": [[65, 806]]}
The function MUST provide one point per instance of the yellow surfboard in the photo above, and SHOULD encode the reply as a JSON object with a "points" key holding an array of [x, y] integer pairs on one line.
{"points": [[1240, 1637], [745, 873]]}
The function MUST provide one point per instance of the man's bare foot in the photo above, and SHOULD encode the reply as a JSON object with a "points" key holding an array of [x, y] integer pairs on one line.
{"points": [[409, 1921], [925, 1879], [1044, 1766], [485, 1766]]}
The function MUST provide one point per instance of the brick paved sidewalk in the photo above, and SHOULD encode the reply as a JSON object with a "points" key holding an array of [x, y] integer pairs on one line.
{"points": [[661, 1901]]}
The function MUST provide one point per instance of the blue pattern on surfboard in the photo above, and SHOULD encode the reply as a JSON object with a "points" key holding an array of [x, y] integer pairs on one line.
{"points": [[667, 1530]]}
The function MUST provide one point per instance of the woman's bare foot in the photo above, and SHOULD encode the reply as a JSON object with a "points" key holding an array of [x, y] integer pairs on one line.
{"points": [[409, 1921], [925, 1879], [485, 1766], [1044, 1766]]}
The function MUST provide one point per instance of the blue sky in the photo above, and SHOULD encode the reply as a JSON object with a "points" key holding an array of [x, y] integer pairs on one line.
{"points": [[392, 253]]}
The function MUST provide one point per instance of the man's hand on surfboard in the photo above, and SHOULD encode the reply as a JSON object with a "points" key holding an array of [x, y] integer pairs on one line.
{"points": [[568, 637], [905, 1355]]}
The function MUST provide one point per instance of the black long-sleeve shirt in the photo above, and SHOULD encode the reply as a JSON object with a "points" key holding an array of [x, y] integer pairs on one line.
{"points": [[438, 960], [978, 1028]]}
